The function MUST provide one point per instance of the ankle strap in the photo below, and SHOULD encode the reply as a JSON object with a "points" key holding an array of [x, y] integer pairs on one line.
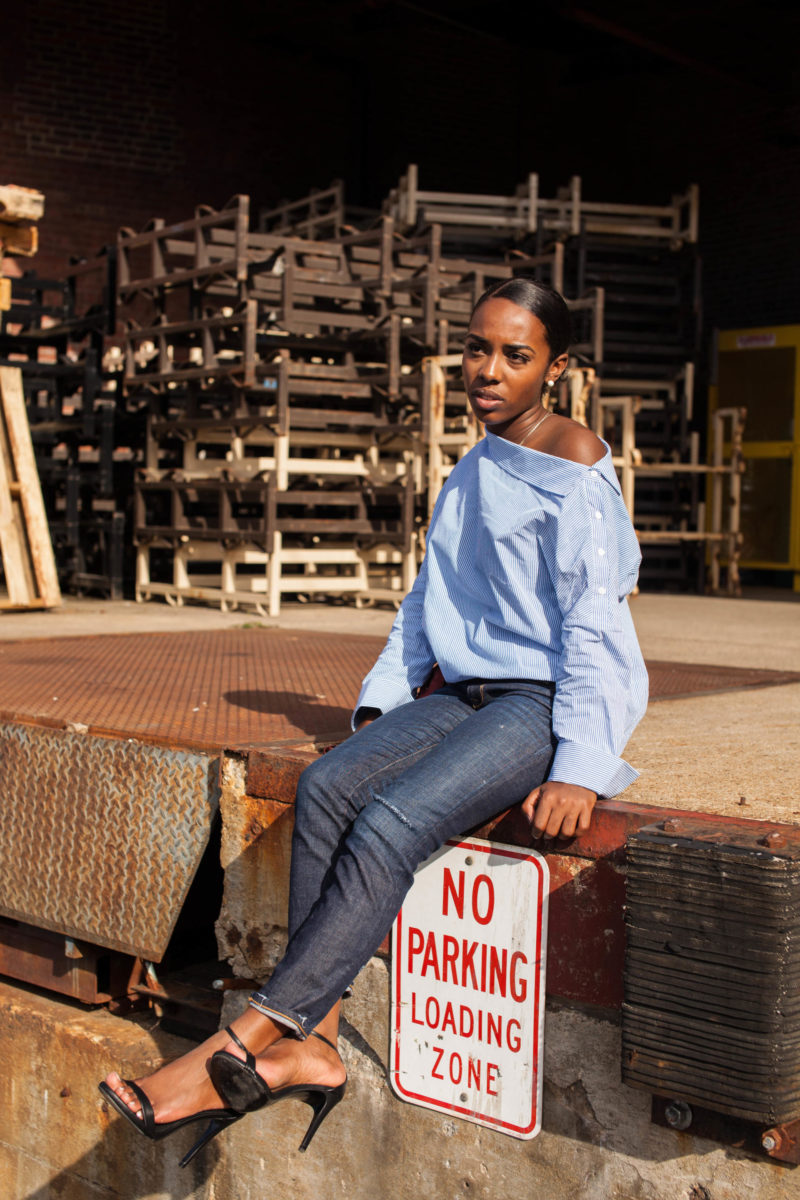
{"points": [[322, 1038], [234, 1038]]}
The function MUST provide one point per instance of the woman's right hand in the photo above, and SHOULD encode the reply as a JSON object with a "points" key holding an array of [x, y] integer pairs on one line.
{"points": [[559, 809], [365, 716]]}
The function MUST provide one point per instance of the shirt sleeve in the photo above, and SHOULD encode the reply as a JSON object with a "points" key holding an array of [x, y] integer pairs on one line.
{"points": [[601, 687], [406, 660]]}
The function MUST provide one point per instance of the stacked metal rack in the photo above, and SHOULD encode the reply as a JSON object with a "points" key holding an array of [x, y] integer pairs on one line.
{"points": [[272, 368], [633, 271], [55, 332], [292, 398]]}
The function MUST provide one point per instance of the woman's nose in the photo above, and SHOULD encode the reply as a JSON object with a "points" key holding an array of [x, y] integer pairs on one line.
{"points": [[491, 366]]}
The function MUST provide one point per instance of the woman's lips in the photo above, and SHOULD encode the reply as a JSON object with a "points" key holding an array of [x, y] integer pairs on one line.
{"points": [[486, 400]]}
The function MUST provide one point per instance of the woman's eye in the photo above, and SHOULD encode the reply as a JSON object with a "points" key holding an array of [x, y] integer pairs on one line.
{"points": [[472, 348], [515, 357]]}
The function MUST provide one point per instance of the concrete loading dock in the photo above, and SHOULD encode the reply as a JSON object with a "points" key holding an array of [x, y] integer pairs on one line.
{"points": [[598, 1139]]}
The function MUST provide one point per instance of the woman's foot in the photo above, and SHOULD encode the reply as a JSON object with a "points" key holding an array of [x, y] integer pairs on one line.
{"points": [[291, 1062], [183, 1087]]}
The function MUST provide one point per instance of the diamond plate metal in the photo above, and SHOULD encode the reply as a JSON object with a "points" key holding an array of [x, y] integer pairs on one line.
{"points": [[100, 838]]}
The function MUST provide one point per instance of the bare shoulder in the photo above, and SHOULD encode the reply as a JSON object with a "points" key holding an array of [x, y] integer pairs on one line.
{"points": [[568, 439]]}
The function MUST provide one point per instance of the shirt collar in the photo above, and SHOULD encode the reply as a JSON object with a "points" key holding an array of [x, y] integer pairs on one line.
{"points": [[546, 471]]}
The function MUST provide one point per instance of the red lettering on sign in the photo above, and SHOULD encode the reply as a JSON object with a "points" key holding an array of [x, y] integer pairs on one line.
{"points": [[519, 989], [467, 955], [449, 956], [474, 1073], [450, 890], [414, 1018], [513, 1041], [437, 1050], [431, 958], [491, 1069], [455, 1060], [449, 1020], [494, 1029], [432, 1007], [416, 940], [487, 916], [498, 967], [465, 1014]]}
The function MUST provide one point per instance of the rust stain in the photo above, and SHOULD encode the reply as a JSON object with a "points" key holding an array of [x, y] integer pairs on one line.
{"points": [[236, 688]]}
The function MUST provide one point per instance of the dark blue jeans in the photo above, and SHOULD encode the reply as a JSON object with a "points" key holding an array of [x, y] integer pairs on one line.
{"points": [[374, 808]]}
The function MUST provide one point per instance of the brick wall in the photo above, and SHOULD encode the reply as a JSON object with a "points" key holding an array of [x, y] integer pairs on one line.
{"points": [[121, 112]]}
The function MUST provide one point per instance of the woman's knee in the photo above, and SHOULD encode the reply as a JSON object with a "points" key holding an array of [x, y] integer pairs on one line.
{"points": [[324, 786]]}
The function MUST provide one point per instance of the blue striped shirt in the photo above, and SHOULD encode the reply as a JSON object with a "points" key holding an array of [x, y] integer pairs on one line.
{"points": [[529, 562]]}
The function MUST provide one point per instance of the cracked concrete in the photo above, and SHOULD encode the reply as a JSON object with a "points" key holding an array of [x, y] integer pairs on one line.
{"points": [[597, 1141]]}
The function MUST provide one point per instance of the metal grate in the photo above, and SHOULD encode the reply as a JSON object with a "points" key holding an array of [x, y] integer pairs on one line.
{"points": [[712, 1010], [244, 687], [209, 690]]}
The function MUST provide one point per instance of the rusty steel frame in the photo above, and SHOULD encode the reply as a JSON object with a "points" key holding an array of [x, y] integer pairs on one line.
{"points": [[527, 210], [723, 536], [387, 296], [587, 891]]}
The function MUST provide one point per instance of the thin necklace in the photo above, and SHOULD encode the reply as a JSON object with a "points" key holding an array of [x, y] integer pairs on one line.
{"points": [[531, 432]]}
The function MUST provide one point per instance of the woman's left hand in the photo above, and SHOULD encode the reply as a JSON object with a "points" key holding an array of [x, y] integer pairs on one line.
{"points": [[559, 809]]}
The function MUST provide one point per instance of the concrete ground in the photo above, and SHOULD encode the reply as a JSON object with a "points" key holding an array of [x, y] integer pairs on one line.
{"points": [[735, 753], [597, 1143]]}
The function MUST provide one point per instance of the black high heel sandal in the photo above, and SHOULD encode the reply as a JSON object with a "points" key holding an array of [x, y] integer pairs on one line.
{"points": [[218, 1119], [243, 1089]]}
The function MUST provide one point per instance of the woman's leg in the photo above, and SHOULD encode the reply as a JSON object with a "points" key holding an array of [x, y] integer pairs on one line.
{"points": [[498, 750], [334, 790], [427, 772], [379, 752]]}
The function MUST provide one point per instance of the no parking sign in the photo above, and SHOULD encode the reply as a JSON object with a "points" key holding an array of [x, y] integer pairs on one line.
{"points": [[468, 968]]}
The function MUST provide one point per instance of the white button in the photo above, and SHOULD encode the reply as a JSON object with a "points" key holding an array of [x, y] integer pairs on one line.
{"points": [[600, 551], [599, 515], [601, 591], [593, 473]]}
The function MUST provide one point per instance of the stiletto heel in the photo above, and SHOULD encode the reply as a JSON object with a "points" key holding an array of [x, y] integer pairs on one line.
{"points": [[243, 1089], [322, 1105], [145, 1122], [212, 1129]]}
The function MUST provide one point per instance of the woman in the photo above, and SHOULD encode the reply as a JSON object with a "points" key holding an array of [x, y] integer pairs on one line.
{"points": [[521, 600]]}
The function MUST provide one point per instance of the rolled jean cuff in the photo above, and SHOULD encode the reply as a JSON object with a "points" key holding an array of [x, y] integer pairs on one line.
{"points": [[295, 1021]]}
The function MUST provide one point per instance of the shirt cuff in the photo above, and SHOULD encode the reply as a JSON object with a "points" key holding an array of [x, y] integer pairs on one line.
{"points": [[601, 772], [382, 694]]}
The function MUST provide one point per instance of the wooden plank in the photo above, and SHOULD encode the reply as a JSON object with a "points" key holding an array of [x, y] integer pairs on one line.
{"points": [[36, 529], [20, 204], [12, 542]]}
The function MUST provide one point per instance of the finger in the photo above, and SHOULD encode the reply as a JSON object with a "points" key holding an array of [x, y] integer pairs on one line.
{"points": [[546, 826], [530, 802], [569, 822], [585, 818]]}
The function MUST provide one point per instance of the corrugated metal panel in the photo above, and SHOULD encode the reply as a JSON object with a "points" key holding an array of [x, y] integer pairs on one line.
{"points": [[100, 838], [712, 1011]]}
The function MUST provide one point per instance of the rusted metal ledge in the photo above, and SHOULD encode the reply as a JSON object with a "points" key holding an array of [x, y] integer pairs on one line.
{"points": [[587, 873]]}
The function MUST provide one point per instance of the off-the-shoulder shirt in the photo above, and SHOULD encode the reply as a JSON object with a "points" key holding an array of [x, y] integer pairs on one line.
{"points": [[528, 565]]}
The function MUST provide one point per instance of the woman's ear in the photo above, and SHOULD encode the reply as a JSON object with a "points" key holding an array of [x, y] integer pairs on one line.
{"points": [[556, 369]]}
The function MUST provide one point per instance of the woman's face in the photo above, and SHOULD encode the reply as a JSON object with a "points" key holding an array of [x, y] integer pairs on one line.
{"points": [[506, 362]]}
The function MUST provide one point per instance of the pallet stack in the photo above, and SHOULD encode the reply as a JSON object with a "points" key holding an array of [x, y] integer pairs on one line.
{"points": [[271, 368], [56, 331], [292, 400], [632, 275]]}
